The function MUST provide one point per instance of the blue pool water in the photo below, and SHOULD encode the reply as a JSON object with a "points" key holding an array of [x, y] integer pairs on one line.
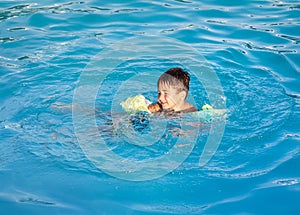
{"points": [[46, 47]]}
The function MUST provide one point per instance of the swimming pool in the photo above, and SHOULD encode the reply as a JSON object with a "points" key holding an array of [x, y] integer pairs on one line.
{"points": [[47, 47]]}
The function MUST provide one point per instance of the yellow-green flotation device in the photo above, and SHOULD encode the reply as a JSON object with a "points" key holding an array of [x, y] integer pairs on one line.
{"points": [[135, 104]]}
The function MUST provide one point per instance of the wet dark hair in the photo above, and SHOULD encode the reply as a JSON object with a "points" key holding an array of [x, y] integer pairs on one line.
{"points": [[177, 78]]}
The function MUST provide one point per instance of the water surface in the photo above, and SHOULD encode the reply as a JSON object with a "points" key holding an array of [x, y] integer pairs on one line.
{"points": [[252, 46]]}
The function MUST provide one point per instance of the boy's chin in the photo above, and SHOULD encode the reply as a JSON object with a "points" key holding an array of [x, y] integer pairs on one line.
{"points": [[168, 109], [165, 108]]}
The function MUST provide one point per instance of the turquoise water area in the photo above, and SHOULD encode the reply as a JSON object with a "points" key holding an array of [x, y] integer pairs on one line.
{"points": [[252, 46]]}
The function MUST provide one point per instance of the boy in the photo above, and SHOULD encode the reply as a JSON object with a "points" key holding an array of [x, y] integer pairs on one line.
{"points": [[173, 87]]}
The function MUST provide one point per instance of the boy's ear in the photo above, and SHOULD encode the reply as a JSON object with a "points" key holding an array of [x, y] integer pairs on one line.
{"points": [[182, 94]]}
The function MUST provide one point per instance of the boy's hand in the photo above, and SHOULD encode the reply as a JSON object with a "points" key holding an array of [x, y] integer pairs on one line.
{"points": [[154, 108]]}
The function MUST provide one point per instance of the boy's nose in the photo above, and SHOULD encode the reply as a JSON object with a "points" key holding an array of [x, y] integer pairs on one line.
{"points": [[160, 98]]}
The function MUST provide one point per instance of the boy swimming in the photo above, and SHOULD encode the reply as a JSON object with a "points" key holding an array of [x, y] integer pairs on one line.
{"points": [[173, 88]]}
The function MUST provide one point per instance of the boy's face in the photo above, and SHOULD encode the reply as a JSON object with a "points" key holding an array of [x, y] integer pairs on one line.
{"points": [[169, 97]]}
